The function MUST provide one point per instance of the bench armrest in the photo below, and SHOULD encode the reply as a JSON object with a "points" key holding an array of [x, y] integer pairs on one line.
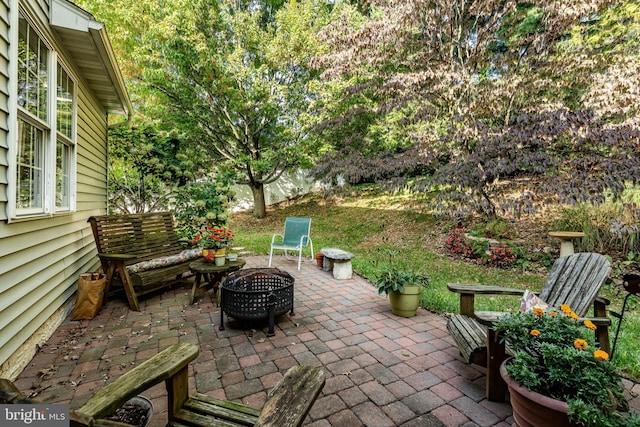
{"points": [[164, 366], [289, 402], [116, 257]]}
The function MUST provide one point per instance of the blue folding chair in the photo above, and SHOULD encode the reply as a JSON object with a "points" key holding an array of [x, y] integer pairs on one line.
{"points": [[296, 237]]}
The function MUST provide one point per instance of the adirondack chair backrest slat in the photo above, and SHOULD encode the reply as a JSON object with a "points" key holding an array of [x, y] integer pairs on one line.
{"points": [[294, 229], [576, 280]]}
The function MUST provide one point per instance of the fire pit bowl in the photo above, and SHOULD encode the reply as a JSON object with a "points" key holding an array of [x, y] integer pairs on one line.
{"points": [[255, 294]]}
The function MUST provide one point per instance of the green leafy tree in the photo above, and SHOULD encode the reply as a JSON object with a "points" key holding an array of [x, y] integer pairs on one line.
{"points": [[232, 76], [145, 165]]}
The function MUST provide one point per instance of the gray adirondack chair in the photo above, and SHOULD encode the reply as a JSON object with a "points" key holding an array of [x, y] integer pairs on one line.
{"points": [[574, 280]]}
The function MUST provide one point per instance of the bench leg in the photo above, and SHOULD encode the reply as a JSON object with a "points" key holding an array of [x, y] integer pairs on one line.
{"points": [[128, 287], [496, 387]]}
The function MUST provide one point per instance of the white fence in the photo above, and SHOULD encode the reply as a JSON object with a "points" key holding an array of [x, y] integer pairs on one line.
{"points": [[288, 186]]}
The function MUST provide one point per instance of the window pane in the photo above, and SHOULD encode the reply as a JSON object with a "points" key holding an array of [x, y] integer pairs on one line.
{"points": [[32, 71], [63, 167], [30, 176], [64, 103]]}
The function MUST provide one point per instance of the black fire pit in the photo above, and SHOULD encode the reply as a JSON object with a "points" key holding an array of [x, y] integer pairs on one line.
{"points": [[255, 294]]}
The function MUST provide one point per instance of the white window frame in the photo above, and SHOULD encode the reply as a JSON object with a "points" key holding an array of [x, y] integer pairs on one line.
{"points": [[68, 141], [51, 137]]}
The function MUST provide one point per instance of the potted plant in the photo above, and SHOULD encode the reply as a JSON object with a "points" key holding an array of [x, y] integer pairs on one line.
{"points": [[214, 242], [403, 286], [558, 368]]}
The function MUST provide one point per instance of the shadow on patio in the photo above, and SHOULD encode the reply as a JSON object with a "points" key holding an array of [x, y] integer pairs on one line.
{"points": [[382, 370]]}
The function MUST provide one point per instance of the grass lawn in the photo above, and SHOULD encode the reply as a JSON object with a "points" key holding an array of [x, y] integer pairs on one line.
{"points": [[369, 224]]}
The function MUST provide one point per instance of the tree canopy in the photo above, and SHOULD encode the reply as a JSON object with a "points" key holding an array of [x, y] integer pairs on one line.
{"points": [[538, 93], [489, 105]]}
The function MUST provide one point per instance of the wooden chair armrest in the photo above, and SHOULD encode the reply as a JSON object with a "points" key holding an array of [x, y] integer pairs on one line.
{"points": [[468, 293], [483, 289], [289, 401], [161, 367]]}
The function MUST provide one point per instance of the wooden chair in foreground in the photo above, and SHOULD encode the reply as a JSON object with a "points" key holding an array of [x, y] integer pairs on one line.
{"points": [[574, 280], [288, 402]]}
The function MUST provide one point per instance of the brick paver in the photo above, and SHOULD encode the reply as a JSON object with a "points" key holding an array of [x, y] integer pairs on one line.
{"points": [[381, 370]]}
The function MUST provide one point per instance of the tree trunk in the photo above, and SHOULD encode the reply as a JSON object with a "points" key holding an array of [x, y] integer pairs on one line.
{"points": [[259, 205]]}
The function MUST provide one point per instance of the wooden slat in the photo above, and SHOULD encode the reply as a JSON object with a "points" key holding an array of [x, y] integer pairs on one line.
{"points": [[296, 391], [201, 410], [471, 338], [188, 418], [252, 413]]}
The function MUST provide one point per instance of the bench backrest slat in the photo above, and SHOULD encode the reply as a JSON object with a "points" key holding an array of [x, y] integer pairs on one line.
{"points": [[146, 236]]}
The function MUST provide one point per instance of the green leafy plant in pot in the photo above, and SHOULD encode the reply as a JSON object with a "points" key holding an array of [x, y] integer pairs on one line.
{"points": [[403, 286]]}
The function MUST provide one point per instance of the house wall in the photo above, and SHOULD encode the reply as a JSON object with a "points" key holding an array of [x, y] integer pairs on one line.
{"points": [[41, 258]]}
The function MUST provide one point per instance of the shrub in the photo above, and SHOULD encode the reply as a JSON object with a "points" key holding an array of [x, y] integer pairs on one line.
{"points": [[501, 256], [202, 204]]}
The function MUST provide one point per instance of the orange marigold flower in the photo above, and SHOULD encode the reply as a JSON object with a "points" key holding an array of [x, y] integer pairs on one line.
{"points": [[601, 355], [538, 311], [565, 308], [589, 324], [535, 332], [573, 315], [553, 313], [580, 344]]}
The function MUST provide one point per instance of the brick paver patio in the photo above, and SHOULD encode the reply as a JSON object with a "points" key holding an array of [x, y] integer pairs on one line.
{"points": [[381, 370]]}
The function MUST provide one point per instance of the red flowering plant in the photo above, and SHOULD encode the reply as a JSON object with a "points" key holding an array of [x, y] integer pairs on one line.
{"points": [[214, 238], [555, 355]]}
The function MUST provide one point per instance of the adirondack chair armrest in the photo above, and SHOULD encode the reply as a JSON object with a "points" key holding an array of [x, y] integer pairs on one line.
{"points": [[289, 401], [468, 292], [170, 365]]}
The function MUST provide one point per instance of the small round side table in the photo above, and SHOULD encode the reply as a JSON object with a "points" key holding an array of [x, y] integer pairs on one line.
{"points": [[213, 274]]}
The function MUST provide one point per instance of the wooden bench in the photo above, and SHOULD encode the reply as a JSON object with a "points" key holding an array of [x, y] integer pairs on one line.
{"points": [[142, 250], [287, 404]]}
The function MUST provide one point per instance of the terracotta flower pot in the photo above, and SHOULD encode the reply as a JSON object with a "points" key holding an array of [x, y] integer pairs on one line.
{"points": [[319, 260], [531, 409]]}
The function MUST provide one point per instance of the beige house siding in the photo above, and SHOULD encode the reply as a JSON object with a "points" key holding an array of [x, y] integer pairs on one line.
{"points": [[41, 258]]}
